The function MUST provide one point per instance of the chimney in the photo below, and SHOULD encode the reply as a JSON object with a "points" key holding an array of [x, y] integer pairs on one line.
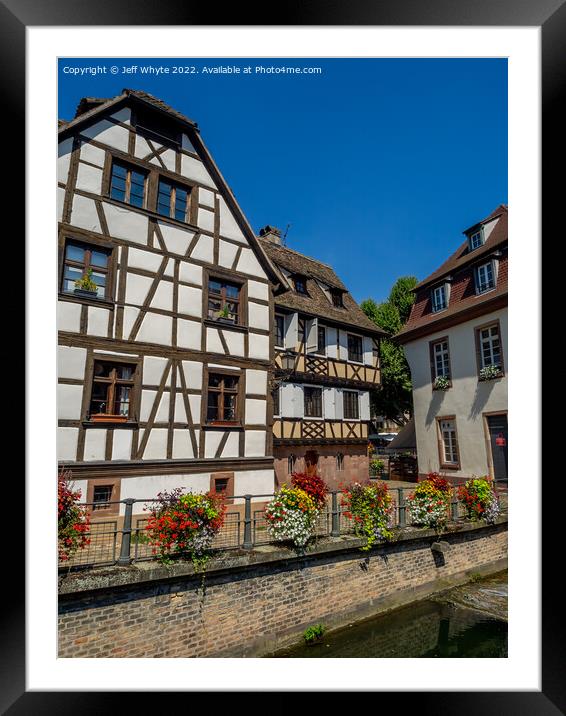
{"points": [[271, 233]]}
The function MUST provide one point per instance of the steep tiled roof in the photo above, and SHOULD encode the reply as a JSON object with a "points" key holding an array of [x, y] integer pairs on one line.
{"points": [[316, 303], [462, 254], [463, 297], [160, 104]]}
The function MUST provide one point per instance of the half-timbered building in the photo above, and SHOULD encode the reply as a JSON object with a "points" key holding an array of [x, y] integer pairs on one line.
{"points": [[164, 313], [326, 363]]}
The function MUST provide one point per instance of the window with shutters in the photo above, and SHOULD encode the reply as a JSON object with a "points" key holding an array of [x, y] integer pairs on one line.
{"points": [[276, 401], [279, 330], [355, 351], [351, 405], [313, 402]]}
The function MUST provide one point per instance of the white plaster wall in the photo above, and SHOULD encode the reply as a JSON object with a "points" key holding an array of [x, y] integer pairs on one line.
{"points": [[188, 334], [71, 362], [248, 263], [191, 273], [206, 198], [258, 316], [182, 446], [147, 401], [256, 411], [137, 288], [155, 328], [228, 224], [193, 374], [258, 346], [141, 148], [64, 150], [122, 444], [489, 227], [69, 398], [60, 203], [148, 487], [187, 144], [204, 249], [123, 115], [92, 154], [67, 443], [256, 381], [168, 157], [212, 440], [467, 399], [255, 443], [194, 169], [253, 482], [176, 239], [156, 448], [107, 133], [81, 485], [180, 412], [97, 324], [213, 344], [95, 444], [83, 214], [235, 343], [126, 224], [169, 268], [130, 316], [68, 316], [258, 290], [205, 220], [226, 253], [89, 178], [190, 301], [153, 368], [137, 258], [163, 297]]}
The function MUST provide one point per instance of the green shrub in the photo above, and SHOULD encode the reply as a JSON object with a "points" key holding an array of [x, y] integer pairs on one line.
{"points": [[313, 633]]}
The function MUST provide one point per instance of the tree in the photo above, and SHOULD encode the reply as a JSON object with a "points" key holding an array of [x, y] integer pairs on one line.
{"points": [[395, 398]]}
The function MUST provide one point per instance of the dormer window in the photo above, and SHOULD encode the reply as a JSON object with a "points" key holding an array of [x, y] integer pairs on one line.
{"points": [[476, 239], [439, 298], [337, 299], [485, 277], [300, 284]]}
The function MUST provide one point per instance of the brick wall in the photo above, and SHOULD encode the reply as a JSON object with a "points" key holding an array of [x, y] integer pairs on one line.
{"points": [[254, 603], [356, 463]]}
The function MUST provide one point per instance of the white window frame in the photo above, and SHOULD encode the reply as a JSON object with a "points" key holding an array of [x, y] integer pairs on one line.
{"points": [[348, 359], [313, 417], [351, 420], [479, 233], [489, 340], [452, 445], [436, 308], [282, 315], [492, 266], [444, 354]]}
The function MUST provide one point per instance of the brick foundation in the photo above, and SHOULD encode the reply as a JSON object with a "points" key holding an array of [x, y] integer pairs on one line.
{"points": [[250, 604]]}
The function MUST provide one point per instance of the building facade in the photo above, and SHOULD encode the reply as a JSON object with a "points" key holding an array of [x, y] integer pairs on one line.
{"points": [[165, 311], [456, 345], [326, 355]]}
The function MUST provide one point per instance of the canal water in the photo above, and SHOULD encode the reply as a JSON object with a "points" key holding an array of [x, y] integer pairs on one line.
{"points": [[468, 621]]}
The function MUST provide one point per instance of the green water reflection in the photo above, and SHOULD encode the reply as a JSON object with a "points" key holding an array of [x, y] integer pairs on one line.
{"points": [[423, 630]]}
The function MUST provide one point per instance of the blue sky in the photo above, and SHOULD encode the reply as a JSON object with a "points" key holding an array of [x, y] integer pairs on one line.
{"points": [[378, 165]]}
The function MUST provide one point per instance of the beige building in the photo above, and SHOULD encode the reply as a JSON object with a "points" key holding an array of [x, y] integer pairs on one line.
{"points": [[456, 345]]}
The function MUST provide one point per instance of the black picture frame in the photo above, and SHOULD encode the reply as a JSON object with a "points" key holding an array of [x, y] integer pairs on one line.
{"points": [[550, 16]]}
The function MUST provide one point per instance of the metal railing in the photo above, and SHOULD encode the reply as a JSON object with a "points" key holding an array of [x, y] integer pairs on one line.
{"points": [[243, 529]]}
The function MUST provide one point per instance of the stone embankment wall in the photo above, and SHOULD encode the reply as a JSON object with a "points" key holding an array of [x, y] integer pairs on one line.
{"points": [[250, 604]]}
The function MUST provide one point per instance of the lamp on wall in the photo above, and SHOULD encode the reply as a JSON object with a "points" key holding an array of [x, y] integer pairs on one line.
{"points": [[288, 362]]}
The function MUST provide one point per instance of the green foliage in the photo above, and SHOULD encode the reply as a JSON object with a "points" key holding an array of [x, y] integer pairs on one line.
{"points": [[395, 397], [403, 297], [86, 282], [376, 465], [313, 633], [370, 508]]}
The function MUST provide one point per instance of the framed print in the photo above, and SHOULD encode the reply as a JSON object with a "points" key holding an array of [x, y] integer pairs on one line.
{"points": [[207, 353]]}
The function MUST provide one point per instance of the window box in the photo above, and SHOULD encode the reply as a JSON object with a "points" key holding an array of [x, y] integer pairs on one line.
{"points": [[83, 293], [442, 382], [108, 418], [491, 372]]}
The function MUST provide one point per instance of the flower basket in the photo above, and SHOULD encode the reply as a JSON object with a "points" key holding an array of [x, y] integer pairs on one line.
{"points": [[490, 372], [480, 499], [429, 504], [370, 507], [442, 382], [291, 516]]}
